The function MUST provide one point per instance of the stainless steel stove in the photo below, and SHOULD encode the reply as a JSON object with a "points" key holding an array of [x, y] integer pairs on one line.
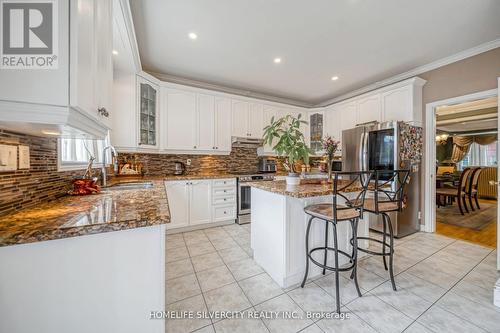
{"points": [[244, 194]]}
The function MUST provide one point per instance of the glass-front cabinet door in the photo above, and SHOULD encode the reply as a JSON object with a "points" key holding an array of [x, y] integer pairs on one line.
{"points": [[148, 115], [316, 123]]}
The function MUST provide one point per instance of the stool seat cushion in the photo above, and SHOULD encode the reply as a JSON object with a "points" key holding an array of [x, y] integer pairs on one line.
{"points": [[325, 212], [383, 206]]}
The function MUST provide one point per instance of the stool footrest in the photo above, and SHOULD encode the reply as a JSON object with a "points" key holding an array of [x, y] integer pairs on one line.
{"points": [[343, 269], [373, 252]]}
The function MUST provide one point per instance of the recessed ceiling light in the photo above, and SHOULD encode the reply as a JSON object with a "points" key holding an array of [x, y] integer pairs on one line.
{"points": [[335, 78], [277, 60], [115, 52], [192, 35]]}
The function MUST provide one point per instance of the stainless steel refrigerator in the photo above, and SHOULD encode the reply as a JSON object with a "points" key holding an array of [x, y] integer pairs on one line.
{"points": [[388, 146]]}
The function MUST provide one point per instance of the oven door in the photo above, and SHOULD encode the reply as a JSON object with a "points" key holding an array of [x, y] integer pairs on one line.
{"points": [[244, 197]]}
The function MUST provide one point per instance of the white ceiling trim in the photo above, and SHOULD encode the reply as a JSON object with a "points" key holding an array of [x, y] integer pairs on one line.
{"points": [[417, 71], [228, 90]]}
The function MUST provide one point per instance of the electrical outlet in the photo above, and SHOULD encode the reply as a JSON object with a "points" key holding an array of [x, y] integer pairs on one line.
{"points": [[24, 157], [8, 158], [188, 161]]}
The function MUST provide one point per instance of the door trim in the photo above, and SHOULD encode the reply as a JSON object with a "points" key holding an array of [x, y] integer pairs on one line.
{"points": [[430, 153]]}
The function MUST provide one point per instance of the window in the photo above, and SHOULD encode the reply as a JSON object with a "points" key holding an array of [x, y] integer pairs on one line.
{"points": [[74, 154], [479, 155]]}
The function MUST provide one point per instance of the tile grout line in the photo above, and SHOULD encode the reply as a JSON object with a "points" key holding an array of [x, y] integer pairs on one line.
{"points": [[199, 286], [236, 281], [447, 291]]}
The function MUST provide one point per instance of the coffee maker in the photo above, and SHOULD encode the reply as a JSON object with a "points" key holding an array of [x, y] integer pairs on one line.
{"points": [[180, 168]]}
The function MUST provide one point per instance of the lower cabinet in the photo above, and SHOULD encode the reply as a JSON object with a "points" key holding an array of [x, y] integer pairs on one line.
{"points": [[200, 201]]}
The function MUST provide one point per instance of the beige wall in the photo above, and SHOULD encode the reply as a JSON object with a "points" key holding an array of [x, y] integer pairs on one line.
{"points": [[464, 77]]}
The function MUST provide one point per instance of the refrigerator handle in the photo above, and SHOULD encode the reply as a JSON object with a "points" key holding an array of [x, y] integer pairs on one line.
{"points": [[361, 152], [365, 153]]}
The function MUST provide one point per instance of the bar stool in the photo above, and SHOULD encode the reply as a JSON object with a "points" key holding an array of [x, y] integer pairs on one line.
{"points": [[356, 183], [388, 196]]}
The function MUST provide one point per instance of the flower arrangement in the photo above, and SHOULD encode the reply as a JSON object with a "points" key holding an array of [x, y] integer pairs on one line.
{"points": [[330, 146]]}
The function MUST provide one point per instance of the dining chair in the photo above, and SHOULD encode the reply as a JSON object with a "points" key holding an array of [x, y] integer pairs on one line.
{"points": [[459, 193], [472, 191]]}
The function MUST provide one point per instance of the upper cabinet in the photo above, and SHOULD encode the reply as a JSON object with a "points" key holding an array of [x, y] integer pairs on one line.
{"points": [[223, 121], [247, 119], [369, 109], [74, 96], [179, 108], [316, 130], [148, 113], [399, 102]]}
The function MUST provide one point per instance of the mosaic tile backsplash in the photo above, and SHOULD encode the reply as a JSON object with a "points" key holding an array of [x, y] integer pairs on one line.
{"points": [[41, 183]]}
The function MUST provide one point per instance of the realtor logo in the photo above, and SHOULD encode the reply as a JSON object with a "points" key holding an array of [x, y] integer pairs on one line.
{"points": [[29, 34]]}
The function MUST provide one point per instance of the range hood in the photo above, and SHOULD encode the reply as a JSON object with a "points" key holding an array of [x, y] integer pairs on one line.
{"points": [[246, 142]]}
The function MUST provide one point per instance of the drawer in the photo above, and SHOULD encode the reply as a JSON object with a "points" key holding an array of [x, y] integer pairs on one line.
{"points": [[224, 191], [224, 213], [224, 182], [224, 200]]}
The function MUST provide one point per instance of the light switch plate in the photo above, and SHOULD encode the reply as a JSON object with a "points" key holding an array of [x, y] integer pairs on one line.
{"points": [[24, 157], [8, 158]]}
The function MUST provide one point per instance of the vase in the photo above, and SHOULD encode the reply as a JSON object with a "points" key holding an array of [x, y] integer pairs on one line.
{"points": [[329, 166]]}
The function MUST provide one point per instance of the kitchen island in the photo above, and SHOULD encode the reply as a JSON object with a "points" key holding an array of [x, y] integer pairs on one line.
{"points": [[91, 263], [279, 227]]}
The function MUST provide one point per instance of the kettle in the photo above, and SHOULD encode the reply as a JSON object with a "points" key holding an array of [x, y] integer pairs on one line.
{"points": [[179, 168]]}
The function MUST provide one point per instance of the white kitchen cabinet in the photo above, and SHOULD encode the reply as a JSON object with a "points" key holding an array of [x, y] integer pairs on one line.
{"points": [[240, 119], [347, 115], [332, 123], [91, 66], [147, 115], [223, 119], [104, 66], [255, 113], [178, 203], [247, 119], [369, 109], [180, 110], [200, 201], [73, 98], [205, 119]]}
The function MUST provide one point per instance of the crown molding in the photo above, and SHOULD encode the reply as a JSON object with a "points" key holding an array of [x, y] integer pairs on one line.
{"points": [[416, 71], [228, 90]]}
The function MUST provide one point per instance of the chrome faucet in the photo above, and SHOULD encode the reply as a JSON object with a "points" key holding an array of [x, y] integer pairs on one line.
{"points": [[104, 172]]}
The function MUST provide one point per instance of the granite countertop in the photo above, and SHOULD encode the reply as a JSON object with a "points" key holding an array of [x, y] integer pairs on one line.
{"points": [[301, 191], [70, 216]]}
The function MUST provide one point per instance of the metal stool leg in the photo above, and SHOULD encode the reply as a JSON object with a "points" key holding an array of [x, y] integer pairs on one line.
{"points": [[354, 273], [337, 287], [384, 240], [307, 251], [326, 246], [391, 248]]}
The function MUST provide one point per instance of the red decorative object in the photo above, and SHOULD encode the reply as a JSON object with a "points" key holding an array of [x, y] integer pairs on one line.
{"points": [[85, 186]]}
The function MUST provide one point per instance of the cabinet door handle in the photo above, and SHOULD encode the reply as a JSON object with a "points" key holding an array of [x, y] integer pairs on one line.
{"points": [[225, 199], [194, 147], [103, 112]]}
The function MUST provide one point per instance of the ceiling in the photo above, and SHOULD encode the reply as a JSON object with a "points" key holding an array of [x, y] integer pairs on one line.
{"points": [[360, 41], [472, 116]]}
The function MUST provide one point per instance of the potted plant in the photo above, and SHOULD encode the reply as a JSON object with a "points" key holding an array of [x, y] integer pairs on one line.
{"points": [[290, 143], [330, 146]]}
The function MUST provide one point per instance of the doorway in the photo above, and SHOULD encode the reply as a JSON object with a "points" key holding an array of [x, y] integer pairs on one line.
{"points": [[441, 129]]}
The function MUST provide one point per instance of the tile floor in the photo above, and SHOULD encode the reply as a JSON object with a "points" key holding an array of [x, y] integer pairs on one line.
{"points": [[445, 285]]}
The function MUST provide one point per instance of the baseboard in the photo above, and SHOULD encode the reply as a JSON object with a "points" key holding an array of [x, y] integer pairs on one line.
{"points": [[199, 226]]}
